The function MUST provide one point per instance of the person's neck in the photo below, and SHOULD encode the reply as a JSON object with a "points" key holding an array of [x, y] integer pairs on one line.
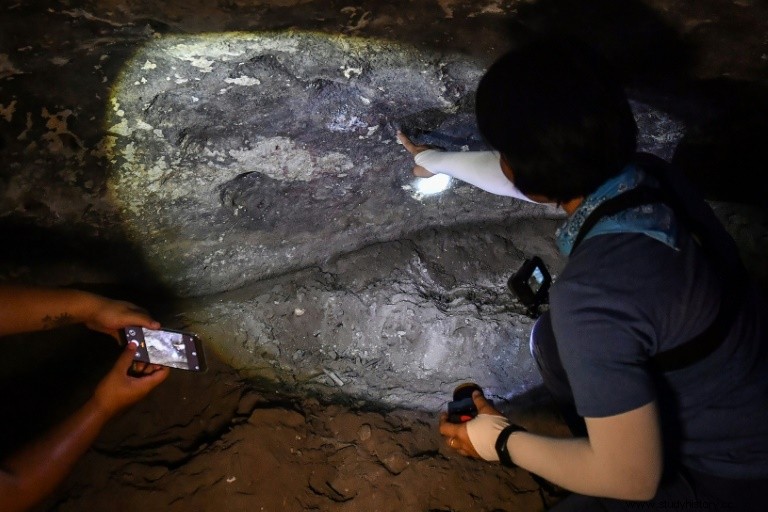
{"points": [[572, 205], [568, 206]]}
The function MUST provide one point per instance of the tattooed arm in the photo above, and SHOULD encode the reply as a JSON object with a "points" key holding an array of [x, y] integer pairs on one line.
{"points": [[26, 309], [35, 470]]}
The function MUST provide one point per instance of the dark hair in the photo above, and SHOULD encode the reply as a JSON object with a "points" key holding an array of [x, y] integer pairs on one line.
{"points": [[558, 116]]}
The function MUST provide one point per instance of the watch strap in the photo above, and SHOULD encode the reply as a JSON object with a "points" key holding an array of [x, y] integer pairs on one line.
{"points": [[501, 444]]}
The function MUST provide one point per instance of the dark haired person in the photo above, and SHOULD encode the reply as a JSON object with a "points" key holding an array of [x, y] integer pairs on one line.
{"points": [[34, 471], [655, 343]]}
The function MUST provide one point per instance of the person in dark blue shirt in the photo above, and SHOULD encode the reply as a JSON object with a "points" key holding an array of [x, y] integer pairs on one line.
{"points": [[655, 343]]}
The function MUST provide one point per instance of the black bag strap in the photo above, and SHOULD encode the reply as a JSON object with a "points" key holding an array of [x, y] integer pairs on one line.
{"points": [[707, 341]]}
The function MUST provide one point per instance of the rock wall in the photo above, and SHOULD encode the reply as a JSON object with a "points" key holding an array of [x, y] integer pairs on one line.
{"points": [[240, 162]]}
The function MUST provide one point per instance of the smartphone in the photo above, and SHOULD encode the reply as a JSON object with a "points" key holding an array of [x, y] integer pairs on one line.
{"points": [[167, 347]]}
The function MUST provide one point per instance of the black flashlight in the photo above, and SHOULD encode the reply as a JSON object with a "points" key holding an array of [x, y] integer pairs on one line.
{"points": [[462, 408]]}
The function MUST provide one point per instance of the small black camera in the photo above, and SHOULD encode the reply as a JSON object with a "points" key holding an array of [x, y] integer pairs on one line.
{"points": [[531, 283]]}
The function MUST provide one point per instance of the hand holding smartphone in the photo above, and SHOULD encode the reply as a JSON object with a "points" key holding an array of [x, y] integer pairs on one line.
{"points": [[167, 347]]}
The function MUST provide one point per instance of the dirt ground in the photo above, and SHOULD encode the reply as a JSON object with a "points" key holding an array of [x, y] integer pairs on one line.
{"points": [[217, 441]]}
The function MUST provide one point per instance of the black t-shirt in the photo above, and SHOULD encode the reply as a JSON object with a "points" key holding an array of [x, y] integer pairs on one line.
{"points": [[623, 298]]}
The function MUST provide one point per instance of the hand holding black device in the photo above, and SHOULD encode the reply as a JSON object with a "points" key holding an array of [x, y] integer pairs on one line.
{"points": [[167, 347], [462, 408]]}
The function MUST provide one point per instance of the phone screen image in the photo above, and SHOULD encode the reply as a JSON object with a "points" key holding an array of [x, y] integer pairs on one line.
{"points": [[175, 349], [536, 280]]}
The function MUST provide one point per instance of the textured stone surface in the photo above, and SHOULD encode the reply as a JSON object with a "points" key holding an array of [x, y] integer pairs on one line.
{"points": [[396, 323], [242, 156]]}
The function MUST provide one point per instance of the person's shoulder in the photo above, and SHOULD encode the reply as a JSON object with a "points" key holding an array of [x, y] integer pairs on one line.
{"points": [[613, 270], [599, 257], [613, 281]]}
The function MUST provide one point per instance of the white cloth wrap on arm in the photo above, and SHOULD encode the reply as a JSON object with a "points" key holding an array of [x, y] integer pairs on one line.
{"points": [[479, 168], [483, 430]]}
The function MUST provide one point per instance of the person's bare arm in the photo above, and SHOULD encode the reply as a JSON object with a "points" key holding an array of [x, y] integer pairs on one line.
{"points": [[621, 458], [28, 308], [31, 474]]}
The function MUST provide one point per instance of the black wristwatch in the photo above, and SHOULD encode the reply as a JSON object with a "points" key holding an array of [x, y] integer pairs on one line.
{"points": [[501, 444]]}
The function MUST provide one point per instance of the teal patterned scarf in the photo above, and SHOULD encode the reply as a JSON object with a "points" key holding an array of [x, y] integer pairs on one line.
{"points": [[655, 220]]}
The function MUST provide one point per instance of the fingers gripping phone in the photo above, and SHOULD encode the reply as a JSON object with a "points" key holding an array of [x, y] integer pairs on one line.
{"points": [[167, 347]]}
